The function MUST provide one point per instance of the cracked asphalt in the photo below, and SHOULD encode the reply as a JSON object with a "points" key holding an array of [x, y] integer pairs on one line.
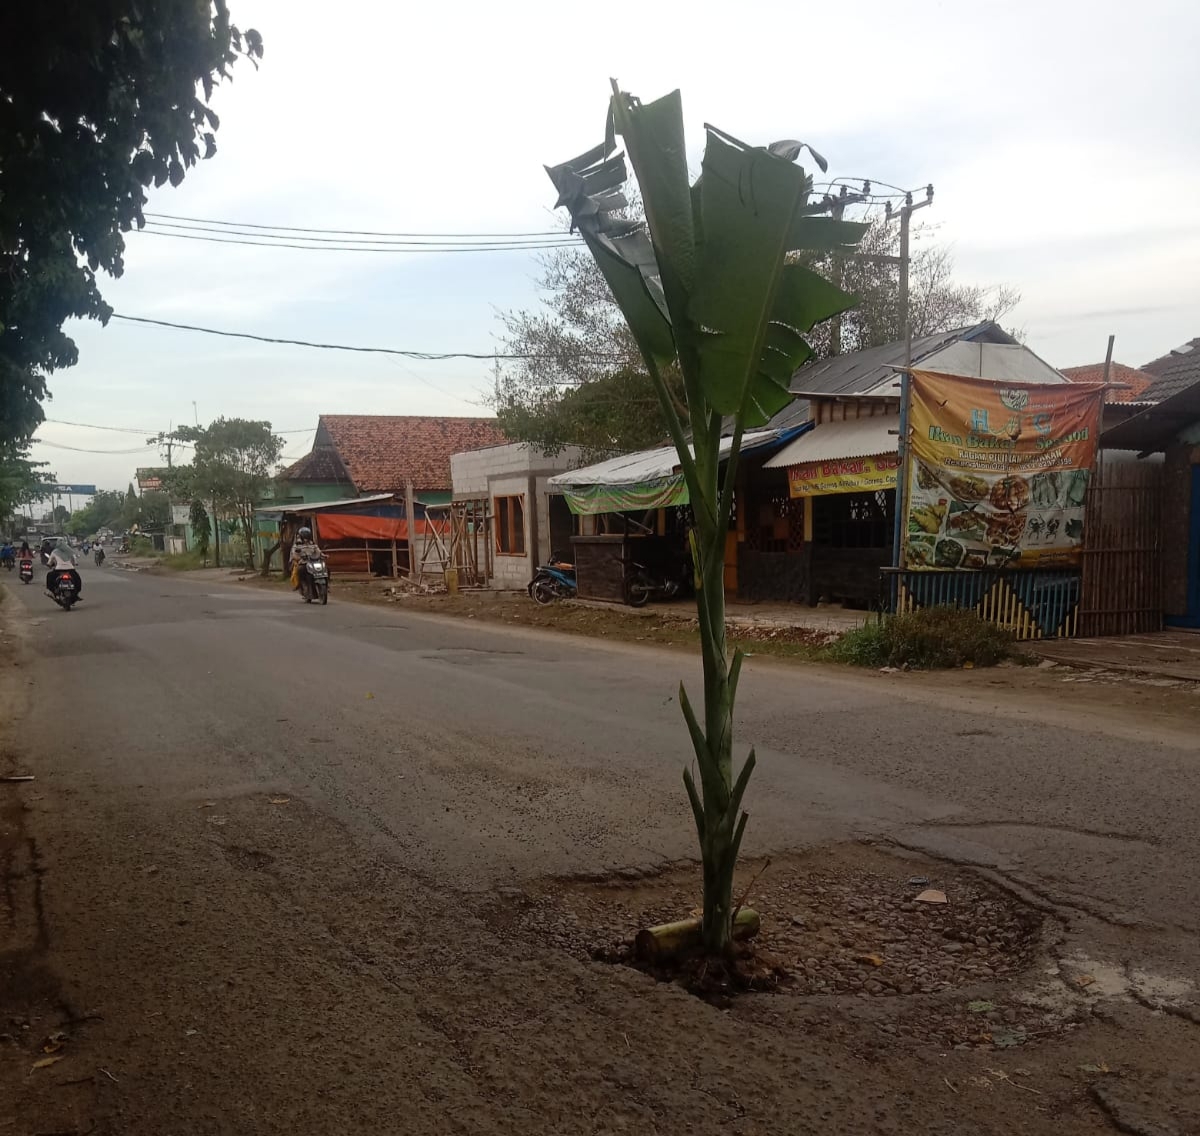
{"points": [[251, 882]]}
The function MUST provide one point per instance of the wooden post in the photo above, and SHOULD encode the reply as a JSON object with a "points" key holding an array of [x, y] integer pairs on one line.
{"points": [[396, 563], [410, 517]]}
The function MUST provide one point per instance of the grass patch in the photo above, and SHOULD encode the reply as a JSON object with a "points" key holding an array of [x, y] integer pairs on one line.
{"points": [[183, 561], [929, 639], [142, 546]]}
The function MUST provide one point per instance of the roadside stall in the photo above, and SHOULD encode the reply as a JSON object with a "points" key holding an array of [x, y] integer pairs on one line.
{"points": [[634, 510], [843, 472], [363, 535]]}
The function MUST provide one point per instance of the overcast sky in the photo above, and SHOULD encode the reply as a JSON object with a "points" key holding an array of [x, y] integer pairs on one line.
{"points": [[1060, 135]]}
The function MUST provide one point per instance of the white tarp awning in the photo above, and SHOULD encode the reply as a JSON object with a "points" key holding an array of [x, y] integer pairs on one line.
{"points": [[832, 441]]}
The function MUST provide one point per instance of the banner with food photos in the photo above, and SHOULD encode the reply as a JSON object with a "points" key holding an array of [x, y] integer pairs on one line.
{"points": [[998, 472]]}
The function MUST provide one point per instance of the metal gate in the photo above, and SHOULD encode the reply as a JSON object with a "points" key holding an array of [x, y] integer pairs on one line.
{"points": [[1121, 589]]}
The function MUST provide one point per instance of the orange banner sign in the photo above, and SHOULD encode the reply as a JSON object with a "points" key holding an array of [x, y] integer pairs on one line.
{"points": [[998, 472], [844, 475]]}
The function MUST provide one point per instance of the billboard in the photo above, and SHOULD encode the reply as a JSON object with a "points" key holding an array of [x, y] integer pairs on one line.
{"points": [[150, 478], [998, 472], [67, 490]]}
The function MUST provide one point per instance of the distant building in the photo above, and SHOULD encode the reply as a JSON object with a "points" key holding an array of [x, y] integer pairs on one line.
{"points": [[1135, 382], [356, 454]]}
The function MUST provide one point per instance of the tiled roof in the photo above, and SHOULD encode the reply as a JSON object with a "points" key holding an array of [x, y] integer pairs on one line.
{"points": [[1135, 381], [322, 465], [1175, 371], [383, 451]]}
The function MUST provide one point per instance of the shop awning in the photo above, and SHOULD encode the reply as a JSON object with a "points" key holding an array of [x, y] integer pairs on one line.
{"points": [[648, 479], [853, 438], [856, 455]]}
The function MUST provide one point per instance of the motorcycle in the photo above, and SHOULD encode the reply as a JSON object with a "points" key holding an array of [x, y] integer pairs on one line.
{"points": [[9, 561], [643, 585], [98, 556], [314, 580], [553, 581], [66, 590], [26, 573]]}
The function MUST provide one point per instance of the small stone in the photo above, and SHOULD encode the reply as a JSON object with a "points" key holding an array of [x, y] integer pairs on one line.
{"points": [[952, 948]]}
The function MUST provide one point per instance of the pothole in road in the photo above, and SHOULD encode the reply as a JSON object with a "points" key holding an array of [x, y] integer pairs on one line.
{"points": [[468, 656], [249, 858], [837, 923]]}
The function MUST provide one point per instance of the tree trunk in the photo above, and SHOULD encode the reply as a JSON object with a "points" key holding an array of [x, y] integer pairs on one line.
{"points": [[718, 853], [216, 535], [266, 564]]}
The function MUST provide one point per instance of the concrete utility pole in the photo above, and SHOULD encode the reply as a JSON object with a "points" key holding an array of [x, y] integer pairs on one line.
{"points": [[905, 213], [898, 521], [837, 208]]}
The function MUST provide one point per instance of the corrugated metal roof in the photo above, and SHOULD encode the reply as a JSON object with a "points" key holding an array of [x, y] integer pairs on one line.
{"points": [[651, 465], [861, 371], [830, 441], [320, 506]]}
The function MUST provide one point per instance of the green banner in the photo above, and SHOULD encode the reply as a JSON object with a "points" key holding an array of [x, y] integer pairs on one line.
{"points": [[588, 500]]}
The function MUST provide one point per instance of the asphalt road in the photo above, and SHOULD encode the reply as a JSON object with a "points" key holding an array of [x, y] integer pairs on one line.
{"points": [[259, 827]]}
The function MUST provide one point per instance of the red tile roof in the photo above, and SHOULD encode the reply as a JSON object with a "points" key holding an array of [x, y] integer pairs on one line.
{"points": [[1136, 381], [383, 451]]}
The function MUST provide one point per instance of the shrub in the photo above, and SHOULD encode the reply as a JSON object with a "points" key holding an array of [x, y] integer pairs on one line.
{"points": [[927, 639]]}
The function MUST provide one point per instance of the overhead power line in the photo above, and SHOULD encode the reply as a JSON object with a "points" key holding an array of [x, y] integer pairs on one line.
{"points": [[351, 232], [418, 241], [191, 236], [424, 356], [85, 450], [93, 426]]}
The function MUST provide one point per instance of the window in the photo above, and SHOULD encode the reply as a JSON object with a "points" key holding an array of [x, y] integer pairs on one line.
{"points": [[510, 526]]}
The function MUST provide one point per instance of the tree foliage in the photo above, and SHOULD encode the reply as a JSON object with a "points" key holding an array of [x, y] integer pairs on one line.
{"points": [[586, 385], [937, 301], [20, 479], [235, 460], [105, 511], [201, 526], [98, 102]]}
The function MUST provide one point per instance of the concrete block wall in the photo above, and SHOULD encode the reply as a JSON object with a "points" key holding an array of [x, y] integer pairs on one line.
{"points": [[508, 570], [469, 471]]}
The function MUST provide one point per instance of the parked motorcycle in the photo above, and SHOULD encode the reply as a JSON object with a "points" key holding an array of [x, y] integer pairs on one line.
{"points": [[553, 581], [66, 589], [26, 572], [314, 580], [642, 584]]}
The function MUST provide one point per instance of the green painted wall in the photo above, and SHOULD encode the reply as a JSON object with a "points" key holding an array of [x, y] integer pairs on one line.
{"points": [[300, 492]]}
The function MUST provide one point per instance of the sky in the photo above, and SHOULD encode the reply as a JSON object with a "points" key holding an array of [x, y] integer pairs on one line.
{"points": [[1060, 137]]}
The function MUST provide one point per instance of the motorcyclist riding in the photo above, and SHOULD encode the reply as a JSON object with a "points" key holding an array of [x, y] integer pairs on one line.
{"points": [[62, 560], [7, 556], [303, 549]]}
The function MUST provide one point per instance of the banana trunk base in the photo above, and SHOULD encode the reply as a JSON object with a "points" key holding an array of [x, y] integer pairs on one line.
{"points": [[669, 940]]}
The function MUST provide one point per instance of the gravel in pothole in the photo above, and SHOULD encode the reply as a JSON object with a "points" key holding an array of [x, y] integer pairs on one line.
{"points": [[828, 926]]}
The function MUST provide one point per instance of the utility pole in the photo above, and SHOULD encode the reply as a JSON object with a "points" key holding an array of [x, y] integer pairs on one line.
{"points": [[905, 213], [899, 520], [837, 207]]}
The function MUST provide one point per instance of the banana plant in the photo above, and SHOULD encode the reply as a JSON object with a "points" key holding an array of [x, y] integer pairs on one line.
{"points": [[707, 284]]}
